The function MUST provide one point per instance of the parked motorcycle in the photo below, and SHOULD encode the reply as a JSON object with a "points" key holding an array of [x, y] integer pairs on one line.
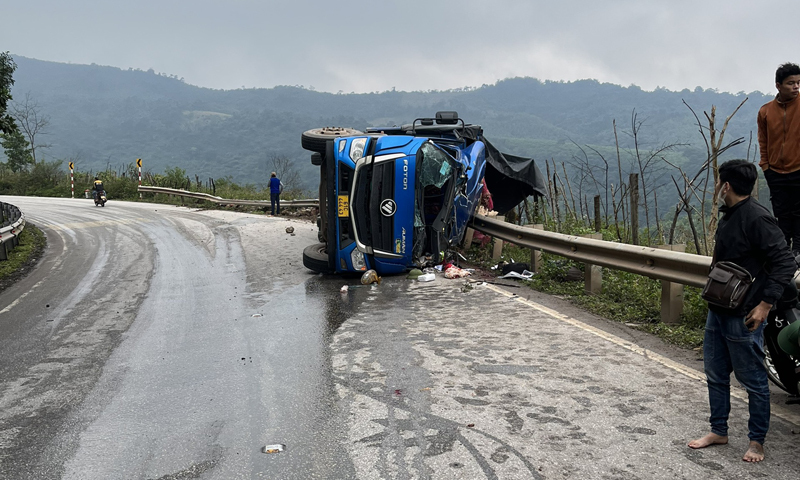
{"points": [[100, 199], [783, 369]]}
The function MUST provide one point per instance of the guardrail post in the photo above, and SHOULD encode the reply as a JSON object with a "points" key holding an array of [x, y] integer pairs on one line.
{"points": [[3, 251], [671, 293], [593, 278], [536, 254], [497, 250], [467, 236]]}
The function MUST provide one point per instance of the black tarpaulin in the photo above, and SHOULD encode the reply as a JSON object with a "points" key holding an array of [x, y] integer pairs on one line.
{"points": [[511, 179]]}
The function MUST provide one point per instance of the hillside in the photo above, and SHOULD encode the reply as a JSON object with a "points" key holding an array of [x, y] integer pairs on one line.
{"points": [[107, 117]]}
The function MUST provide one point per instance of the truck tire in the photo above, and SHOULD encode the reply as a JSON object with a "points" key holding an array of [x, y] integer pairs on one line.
{"points": [[315, 139], [315, 257]]}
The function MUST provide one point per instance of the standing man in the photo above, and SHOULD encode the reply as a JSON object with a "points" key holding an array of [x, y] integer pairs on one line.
{"points": [[275, 190], [749, 236], [779, 142]]}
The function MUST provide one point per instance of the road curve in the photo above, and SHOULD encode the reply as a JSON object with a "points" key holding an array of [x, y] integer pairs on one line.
{"points": [[143, 346]]}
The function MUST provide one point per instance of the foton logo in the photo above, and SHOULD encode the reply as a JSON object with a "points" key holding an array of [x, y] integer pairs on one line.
{"points": [[388, 207], [405, 174]]}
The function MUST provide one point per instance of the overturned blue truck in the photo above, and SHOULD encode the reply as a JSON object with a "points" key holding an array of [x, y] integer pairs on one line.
{"points": [[393, 198]]}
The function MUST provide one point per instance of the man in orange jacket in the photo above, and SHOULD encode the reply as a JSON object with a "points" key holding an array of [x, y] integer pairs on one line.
{"points": [[779, 142]]}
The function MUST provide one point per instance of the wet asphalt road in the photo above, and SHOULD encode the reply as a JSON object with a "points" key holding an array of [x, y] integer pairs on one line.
{"points": [[156, 342]]}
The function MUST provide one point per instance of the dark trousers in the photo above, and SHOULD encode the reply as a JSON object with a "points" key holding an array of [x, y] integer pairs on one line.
{"points": [[784, 193], [275, 200]]}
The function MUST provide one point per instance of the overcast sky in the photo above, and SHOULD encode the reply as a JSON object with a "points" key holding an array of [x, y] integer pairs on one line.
{"points": [[364, 46]]}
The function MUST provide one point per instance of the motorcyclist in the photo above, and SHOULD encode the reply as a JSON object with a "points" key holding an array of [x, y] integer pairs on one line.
{"points": [[98, 188]]}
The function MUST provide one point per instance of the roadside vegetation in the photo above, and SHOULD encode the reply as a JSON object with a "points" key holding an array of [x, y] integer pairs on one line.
{"points": [[23, 257]]}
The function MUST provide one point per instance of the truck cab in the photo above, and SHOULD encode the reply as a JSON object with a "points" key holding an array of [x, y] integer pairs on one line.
{"points": [[393, 198]]}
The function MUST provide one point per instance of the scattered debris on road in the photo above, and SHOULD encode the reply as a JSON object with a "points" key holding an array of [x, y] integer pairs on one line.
{"points": [[277, 448], [370, 276]]}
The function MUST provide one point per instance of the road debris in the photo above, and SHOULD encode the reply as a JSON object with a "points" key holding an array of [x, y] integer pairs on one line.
{"points": [[276, 448], [525, 275], [370, 276], [455, 272], [414, 274]]}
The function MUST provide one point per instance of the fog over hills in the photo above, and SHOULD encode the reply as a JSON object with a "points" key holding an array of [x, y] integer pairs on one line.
{"points": [[105, 117]]}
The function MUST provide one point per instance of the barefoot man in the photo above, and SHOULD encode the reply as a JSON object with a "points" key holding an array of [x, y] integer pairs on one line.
{"points": [[749, 236]]}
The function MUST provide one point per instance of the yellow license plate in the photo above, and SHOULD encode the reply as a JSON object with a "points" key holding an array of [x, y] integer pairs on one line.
{"points": [[344, 206]]}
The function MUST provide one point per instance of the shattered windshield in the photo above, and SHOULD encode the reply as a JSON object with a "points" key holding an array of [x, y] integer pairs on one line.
{"points": [[435, 168]]}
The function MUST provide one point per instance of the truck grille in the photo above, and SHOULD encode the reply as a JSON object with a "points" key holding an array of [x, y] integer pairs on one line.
{"points": [[375, 229]]}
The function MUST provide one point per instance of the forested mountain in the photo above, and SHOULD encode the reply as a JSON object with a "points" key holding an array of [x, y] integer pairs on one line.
{"points": [[104, 117]]}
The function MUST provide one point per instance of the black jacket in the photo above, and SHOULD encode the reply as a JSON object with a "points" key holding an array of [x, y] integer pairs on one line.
{"points": [[748, 235]]}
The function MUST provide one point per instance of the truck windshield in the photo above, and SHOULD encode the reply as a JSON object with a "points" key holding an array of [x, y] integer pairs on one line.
{"points": [[436, 177]]}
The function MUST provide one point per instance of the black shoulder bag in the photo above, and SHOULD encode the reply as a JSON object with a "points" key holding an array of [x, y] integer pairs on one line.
{"points": [[727, 285]]}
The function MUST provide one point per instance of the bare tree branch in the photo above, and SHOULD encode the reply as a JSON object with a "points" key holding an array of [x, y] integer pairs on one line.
{"points": [[31, 122]]}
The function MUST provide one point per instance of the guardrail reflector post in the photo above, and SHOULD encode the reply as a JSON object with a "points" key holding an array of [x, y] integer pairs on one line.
{"points": [[593, 278], [671, 293]]}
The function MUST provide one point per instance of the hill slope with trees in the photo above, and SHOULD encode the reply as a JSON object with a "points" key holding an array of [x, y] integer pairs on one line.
{"points": [[104, 117]]}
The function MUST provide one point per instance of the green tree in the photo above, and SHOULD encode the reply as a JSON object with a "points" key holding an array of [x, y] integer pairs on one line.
{"points": [[7, 67], [17, 150]]}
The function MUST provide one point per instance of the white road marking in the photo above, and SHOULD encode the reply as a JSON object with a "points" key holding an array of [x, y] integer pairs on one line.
{"points": [[15, 302]]}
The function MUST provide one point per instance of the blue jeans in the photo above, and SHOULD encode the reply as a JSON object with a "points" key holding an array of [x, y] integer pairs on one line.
{"points": [[730, 347], [275, 199]]}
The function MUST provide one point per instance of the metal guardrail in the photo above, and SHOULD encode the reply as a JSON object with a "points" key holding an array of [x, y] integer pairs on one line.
{"points": [[676, 267], [226, 201], [12, 226]]}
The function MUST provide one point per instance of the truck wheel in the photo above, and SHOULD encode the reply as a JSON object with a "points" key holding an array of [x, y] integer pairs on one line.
{"points": [[315, 139], [315, 257]]}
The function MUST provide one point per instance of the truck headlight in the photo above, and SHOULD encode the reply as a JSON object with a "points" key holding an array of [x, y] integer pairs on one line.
{"points": [[357, 258], [357, 148]]}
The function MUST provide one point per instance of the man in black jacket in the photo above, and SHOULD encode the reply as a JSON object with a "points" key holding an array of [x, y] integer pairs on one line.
{"points": [[749, 236]]}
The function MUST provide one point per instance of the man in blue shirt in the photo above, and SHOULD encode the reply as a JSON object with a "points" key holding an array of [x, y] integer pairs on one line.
{"points": [[275, 189]]}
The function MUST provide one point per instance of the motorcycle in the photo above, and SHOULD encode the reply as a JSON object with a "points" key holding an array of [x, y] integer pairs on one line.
{"points": [[783, 369], [100, 199]]}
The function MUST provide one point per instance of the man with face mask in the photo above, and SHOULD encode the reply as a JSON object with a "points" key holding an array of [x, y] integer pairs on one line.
{"points": [[779, 144], [749, 236]]}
